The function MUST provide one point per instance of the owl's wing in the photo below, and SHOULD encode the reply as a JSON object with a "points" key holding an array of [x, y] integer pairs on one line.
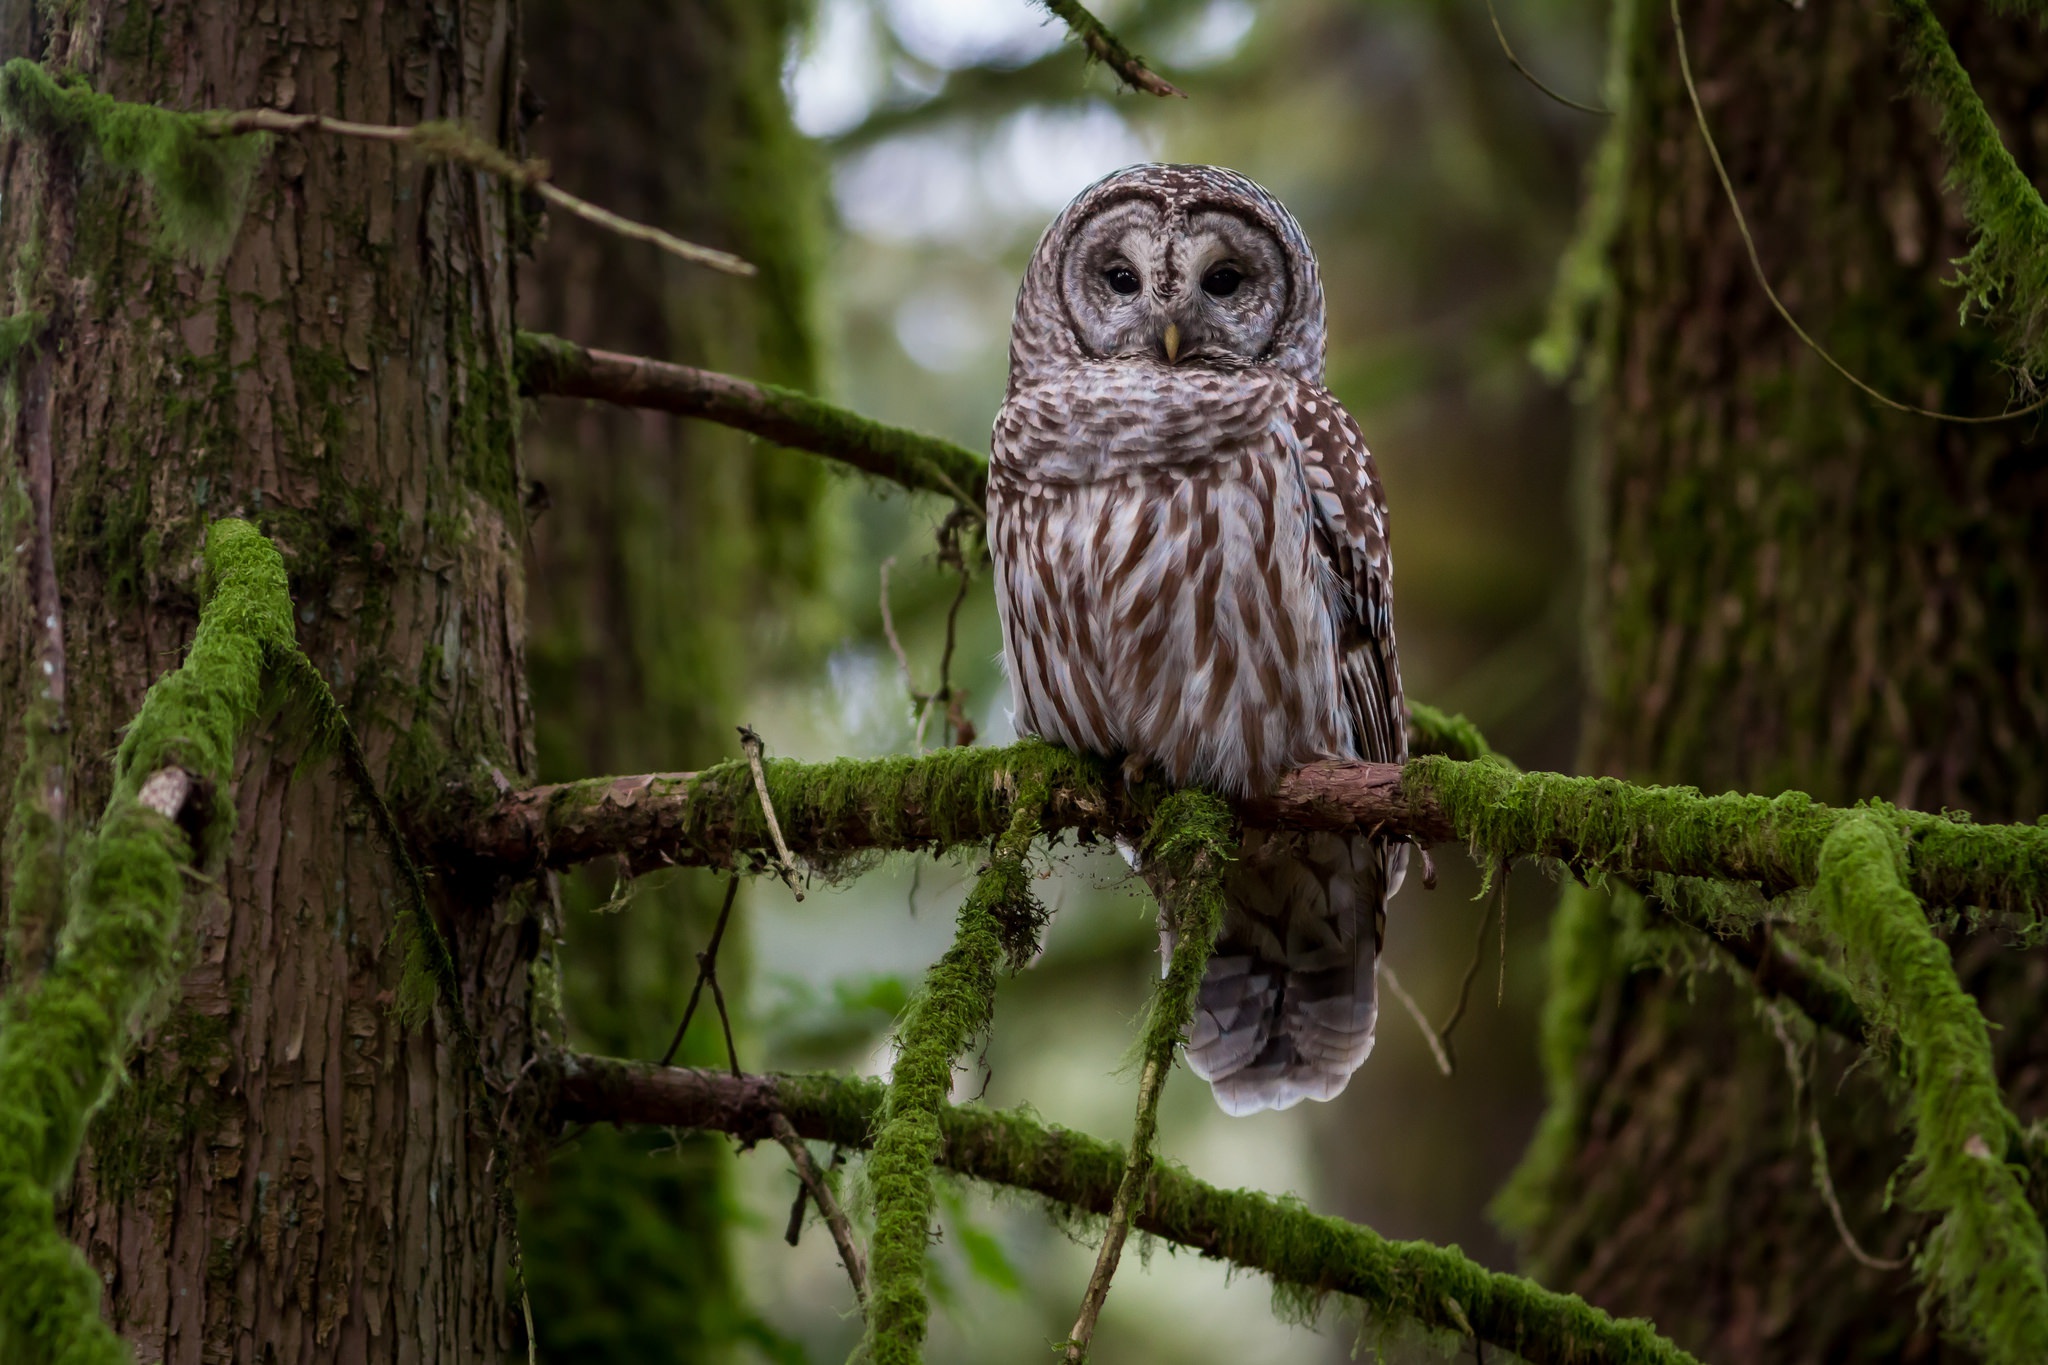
{"points": [[1351, 531]]}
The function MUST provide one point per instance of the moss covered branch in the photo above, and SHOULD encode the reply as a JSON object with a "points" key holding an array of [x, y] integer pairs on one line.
{"points": [[62, 1039], [1000, 918], [1986, 1257], [552, 366], [1304, 1254], [955, 797]]}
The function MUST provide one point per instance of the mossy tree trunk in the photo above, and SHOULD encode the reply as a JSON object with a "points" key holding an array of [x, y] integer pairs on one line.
{"points": [[1793, 588], [667, 548], [287, 1173]]}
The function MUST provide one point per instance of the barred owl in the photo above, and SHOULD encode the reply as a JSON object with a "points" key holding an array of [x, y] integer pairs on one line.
{"points": [[1192, 571]]}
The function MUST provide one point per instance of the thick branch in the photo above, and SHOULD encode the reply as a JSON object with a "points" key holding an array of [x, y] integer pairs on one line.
{"points": [[1415, 1281], [956, 797], [550, 365]]}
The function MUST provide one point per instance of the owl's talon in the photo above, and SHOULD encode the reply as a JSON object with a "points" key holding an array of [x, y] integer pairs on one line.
{"points": [[1135, 766]]}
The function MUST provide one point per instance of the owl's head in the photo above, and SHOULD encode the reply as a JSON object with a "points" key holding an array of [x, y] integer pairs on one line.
{"points": [[1180, 265]]}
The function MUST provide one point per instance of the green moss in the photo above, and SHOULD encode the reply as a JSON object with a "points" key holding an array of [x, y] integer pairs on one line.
{"points": [[1435, 1287], [1594, 824], [954, 1006], [1986, 1256], [201, 180], [153, 1116], [2006, 270], [61, 1039], [19, 333], [1431, 731]]}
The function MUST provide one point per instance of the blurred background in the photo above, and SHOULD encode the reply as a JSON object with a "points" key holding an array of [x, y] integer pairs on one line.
{"points": [[1439, 189]]}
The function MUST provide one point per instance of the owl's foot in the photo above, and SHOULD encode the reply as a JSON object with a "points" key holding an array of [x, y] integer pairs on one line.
{"points": [[1135, 766]]}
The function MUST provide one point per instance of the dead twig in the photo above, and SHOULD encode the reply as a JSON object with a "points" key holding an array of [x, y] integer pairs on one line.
{"points": [[821, 1194], [1105, 47], [1150, 1082], [1499, 906], [707, 970], [1429, 1034], [448, 142], [1756, 264], [953, 698], [1530, 76], [786, 864]]}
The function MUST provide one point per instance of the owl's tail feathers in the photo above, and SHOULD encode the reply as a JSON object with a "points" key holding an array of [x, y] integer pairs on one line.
{"points": [[1289, 1001]]}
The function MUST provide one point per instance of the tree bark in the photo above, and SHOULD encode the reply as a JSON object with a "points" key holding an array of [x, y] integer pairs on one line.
{"points": [[287, 1174], [1793, 588], [666, 542]]}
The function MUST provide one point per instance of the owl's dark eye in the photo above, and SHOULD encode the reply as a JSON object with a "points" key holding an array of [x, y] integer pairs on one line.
{"points": [[1222, 282], [1122, 279]]}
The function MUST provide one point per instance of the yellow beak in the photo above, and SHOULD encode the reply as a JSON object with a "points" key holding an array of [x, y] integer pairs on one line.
{"points": [[1170, 338]]}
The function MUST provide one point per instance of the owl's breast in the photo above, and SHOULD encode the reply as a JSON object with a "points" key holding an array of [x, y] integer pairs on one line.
{"points": [[1174, 605]]}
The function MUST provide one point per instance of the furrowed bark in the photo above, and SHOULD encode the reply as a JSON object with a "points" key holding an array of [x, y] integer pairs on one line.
{"points": [[286, 1172]]}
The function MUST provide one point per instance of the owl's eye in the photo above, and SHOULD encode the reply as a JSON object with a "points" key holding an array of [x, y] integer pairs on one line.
{"points": [[1222, 282], [1122, 279]]}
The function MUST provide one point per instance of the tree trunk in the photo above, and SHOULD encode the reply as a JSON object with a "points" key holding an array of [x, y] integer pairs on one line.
{"points": [[287, 1174], [1794, 589], [665, 544]]}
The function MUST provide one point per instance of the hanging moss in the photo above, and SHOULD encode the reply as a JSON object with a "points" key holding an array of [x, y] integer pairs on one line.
{"points": [[1986, 1257], [201, 180], [954, 1006], [1187, 852], [2006, 270], [61, 1040]]}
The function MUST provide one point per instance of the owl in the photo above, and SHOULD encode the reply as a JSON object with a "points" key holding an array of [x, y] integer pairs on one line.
{"points": [[1193, 575]]}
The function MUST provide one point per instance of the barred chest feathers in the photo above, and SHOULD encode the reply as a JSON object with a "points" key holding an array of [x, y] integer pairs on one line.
{"points": [[1160, 585]]}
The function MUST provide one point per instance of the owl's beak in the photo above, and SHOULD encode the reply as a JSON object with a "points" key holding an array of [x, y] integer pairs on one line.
{"points": [[1170, 339]]}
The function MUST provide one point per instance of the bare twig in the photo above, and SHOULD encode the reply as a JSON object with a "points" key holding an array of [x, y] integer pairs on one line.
{"points": [[1443, 1034], [1429, 1034], [1825, 1183], [953, 698], [1530, 76], [1150, 1082], [909, 459], [1756, 264], [1105, 47], [786, 864], [707, 970], [448, 142], [821, 1194]]}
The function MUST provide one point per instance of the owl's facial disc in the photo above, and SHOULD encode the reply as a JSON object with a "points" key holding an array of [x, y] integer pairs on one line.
{"points": [[1205, 287]]}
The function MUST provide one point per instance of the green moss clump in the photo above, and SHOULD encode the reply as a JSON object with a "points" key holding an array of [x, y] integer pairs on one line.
{"points": [[954, 1006], [1987, 1255], [62, 1038], [2006, 270], [19, 333], [1431, 731], [200, 178]]}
